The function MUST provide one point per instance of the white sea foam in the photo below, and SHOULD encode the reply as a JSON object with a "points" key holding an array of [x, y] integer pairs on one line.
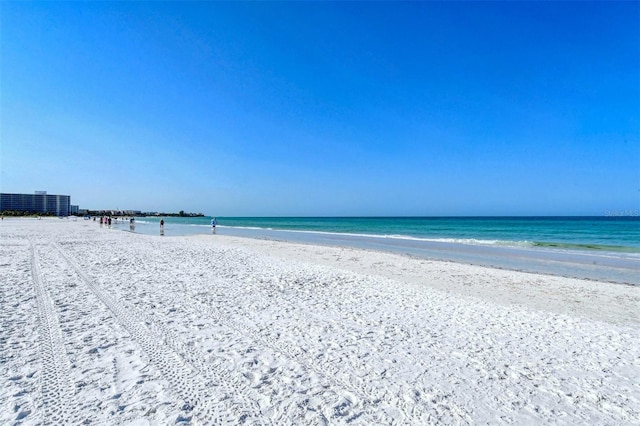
{"points": [[400, 237]]}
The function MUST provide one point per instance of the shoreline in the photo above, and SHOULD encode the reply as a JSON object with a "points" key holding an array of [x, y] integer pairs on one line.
{"points": [[115, 327], [494, 237], [547, 292], [614, 267], [620, 267]]}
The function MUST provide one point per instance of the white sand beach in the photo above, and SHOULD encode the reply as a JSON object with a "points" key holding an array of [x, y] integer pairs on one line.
{"points": [[109, 327]]}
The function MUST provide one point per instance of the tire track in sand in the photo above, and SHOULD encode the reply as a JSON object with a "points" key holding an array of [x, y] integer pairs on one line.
{"points": [[201, 398], [55, 384], [350, 392]]}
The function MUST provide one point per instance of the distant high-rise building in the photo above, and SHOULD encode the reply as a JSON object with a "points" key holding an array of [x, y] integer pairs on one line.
{"points": [[40, 202]]}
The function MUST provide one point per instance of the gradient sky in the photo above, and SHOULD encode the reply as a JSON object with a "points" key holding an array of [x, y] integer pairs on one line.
{"points": [[324, 108]]}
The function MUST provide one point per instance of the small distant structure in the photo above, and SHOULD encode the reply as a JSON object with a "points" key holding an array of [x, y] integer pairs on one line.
{"points": [[38, 202]]}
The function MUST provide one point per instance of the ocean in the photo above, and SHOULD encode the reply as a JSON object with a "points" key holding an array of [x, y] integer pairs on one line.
{"points": [[597, 248], [609, 233]]}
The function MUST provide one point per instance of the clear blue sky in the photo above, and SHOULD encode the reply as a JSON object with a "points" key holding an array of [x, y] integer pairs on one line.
{"points": [[324, 108]]}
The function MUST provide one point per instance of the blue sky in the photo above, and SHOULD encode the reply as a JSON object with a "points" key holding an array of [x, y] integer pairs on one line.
{"points": [[324, 108]]}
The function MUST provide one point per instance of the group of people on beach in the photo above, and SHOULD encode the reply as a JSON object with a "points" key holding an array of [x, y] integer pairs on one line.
{"points": [[106, 220]]}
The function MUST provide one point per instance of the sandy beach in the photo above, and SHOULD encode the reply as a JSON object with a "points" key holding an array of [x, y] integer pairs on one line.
{"points": [[109, 327]]}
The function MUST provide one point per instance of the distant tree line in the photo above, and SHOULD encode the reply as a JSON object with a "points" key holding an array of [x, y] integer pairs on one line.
{"points": [[181, 213], [17, 213]]}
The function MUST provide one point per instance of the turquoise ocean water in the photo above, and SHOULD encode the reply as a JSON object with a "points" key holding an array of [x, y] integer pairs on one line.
{"points": [[608, 233]]}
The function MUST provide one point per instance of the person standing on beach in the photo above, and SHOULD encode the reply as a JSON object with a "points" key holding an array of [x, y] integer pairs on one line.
{"points": [[214, 222], [162, 226]]}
